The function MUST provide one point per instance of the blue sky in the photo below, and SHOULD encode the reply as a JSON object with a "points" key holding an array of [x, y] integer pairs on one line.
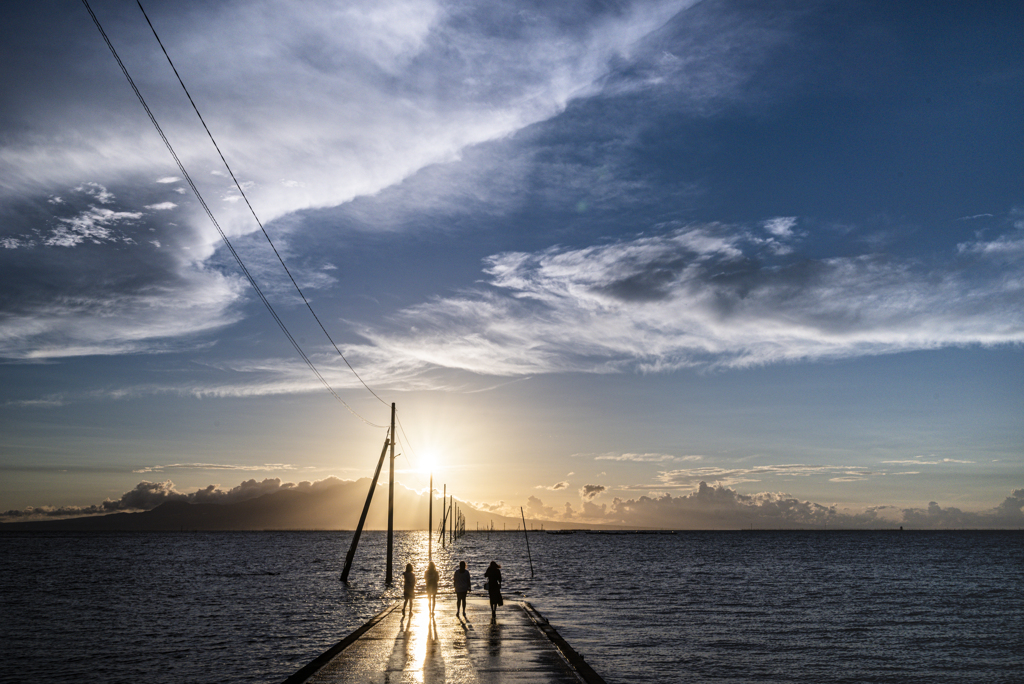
{"points": [[597, 253]]}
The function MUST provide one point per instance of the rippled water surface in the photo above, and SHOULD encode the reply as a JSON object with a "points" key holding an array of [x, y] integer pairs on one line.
{"points": [[690, 607]]}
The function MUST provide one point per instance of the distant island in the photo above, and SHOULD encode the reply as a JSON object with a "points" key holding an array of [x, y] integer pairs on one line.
{"points": [[332, 508]]}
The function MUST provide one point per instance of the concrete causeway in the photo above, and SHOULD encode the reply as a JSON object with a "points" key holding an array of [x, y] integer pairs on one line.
{"points": [[519, 646]]}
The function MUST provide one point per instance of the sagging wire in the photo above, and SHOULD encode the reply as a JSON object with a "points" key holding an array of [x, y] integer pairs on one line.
{"points": [[216, 224]]}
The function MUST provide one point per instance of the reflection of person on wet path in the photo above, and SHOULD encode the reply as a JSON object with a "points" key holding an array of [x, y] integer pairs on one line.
{"points": [[461, 582], [493, 575], [410, 587], [431, 577]]}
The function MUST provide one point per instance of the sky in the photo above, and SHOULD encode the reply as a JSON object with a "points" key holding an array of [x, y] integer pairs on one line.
{"points": [[614, 262]]}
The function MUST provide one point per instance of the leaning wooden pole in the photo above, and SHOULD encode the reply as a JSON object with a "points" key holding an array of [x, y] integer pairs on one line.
{"points": [[391, 501], [362, 518], [525, 534]]}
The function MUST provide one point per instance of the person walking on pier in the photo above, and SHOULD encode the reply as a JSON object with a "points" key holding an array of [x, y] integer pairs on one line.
{"points": [[410, 587], [461, 582], [493, 575], [431, 577]]}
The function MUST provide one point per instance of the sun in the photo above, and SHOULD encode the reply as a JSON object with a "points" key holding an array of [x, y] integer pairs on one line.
{"points": [[428, 462]]}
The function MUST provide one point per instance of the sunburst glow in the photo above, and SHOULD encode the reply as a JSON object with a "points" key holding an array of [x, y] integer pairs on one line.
{"points": [[428, 461]]}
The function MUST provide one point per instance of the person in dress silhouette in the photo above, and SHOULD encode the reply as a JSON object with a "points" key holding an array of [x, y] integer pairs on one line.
{"points": [[431, 578], [461, 582], [410, 587], [493, 575]]}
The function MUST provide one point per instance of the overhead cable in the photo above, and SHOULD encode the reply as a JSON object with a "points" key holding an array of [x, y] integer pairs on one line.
{"points": [[406, 440], [213, 220], [248, 204]]}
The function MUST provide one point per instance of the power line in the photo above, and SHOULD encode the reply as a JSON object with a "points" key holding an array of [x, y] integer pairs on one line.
{"points": [[248, 204], [213, 220], [406, 441]]}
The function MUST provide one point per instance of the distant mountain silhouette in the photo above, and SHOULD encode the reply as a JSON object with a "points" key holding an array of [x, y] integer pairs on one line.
{"points": [[332, 508]]}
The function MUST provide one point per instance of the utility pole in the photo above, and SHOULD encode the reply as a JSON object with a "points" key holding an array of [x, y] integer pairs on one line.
{"points": [[391, 500]]}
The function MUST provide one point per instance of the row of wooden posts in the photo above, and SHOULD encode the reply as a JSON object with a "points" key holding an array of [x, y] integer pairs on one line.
{"points": [[453, 522]]}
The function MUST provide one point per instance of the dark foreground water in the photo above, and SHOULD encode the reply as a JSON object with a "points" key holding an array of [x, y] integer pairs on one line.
{"points": [[811, 607]]}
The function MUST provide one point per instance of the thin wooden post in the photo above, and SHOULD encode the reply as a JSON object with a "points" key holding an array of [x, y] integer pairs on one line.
{"points": [[362, 518], [430, 520], [391, 501], [451, 528], [527, 541], [444, 515]]}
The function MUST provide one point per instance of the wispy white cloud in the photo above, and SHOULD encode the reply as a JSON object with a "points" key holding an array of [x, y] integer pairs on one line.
{"points": [[145, 321], [645, 458], [46, 402], [216, 466], [918, 461], [96, 191], [398, 117], [1004, 246], [781, 226], [94, 224], [688, 478], [386, 70], [700, 295]]}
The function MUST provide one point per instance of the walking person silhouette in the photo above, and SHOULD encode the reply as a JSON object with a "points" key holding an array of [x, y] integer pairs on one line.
{"points": [[493, 575], [460, 580], [431, 578], [410, 587]]}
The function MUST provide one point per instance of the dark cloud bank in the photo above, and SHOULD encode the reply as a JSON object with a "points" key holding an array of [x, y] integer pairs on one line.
{"points": [[335, 504]]}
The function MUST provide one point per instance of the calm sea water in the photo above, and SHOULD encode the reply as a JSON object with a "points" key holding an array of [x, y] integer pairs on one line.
{"points": [[691, 607]]}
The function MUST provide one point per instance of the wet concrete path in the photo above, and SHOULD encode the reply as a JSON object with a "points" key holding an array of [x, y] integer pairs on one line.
{"points": [[519, 646]]}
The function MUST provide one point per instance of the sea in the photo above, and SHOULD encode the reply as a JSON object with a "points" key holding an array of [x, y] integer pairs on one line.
{"points": [[743, 606]]}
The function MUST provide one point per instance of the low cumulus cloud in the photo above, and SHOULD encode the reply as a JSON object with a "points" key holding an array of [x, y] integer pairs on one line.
{"points": [[555, 487], [148, 495], [705, 507], [704, 296], [536, 509], [709, 507]]}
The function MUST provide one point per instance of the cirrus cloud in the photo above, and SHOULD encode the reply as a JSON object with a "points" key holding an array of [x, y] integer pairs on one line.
{"points": [[706, 295]]}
